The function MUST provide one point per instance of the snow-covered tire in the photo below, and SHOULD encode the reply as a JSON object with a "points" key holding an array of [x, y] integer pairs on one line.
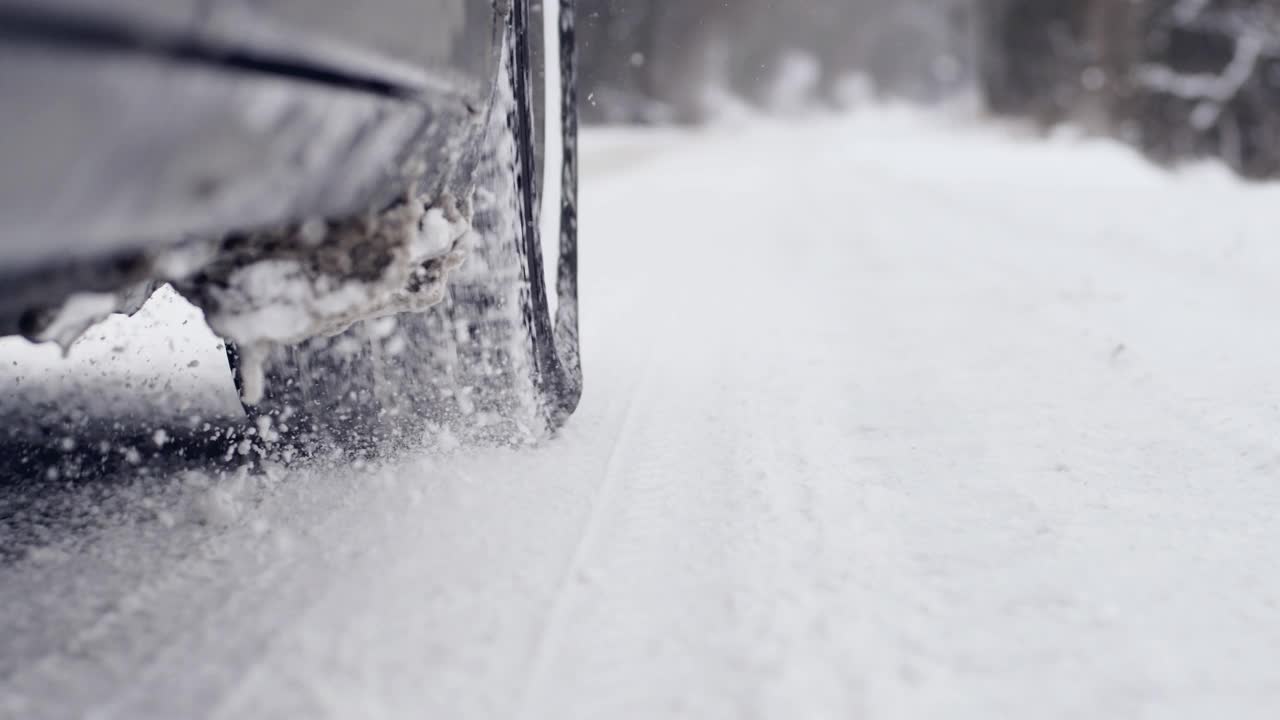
{"points": [[489, 364]]}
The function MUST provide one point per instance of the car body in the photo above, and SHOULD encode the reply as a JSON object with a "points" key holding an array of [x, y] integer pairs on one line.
{"points": [[128, 125], [299, 169]]}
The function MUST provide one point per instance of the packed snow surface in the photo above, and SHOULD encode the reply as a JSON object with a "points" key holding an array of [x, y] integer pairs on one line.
{"points": [[889, 416]]}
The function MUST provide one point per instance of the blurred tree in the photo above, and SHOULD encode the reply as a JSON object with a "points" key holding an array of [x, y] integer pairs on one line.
{"points": [[1180, 78], [658, 59], [649, 61]]}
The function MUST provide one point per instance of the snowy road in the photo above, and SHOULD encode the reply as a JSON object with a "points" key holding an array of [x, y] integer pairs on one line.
{"points": [[888, 416]]}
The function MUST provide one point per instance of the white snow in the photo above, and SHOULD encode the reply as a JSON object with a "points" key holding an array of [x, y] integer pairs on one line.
{"points": [[888, 416], [289, 300], [80, 312], [163, 356], [285, 301]]}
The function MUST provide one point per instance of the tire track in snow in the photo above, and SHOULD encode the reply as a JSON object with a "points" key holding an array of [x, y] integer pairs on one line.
{"points": [[553, 626]]}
